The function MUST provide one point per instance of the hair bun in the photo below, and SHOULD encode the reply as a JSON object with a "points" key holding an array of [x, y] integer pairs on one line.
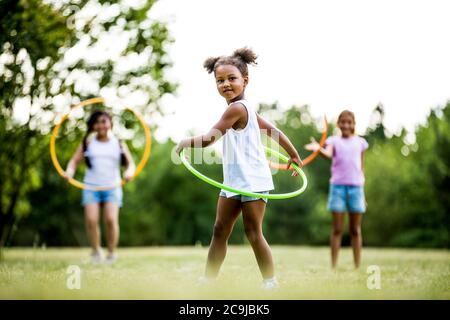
{"points": [[246, 55], [210, 63]]}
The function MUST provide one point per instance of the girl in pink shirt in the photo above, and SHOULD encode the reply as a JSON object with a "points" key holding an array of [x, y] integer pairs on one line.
{"points": [[346, 183]]}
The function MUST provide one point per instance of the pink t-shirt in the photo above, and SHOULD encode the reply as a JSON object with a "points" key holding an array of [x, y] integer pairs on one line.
{"points": [[346, 163]]}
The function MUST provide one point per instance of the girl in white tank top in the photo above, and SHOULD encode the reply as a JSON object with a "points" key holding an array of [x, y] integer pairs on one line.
{"points": [[244, 163], [103, 155]]}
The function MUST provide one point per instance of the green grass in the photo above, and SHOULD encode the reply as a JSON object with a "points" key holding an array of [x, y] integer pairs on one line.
{"points": [[171, 273]]}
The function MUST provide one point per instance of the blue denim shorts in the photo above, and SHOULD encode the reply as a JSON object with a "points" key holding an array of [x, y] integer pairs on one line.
{"points": [[93, 196], [343, 198], [243, 198]]}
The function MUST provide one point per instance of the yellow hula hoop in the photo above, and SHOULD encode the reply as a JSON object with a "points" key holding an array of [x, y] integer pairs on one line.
{"points": [[78, 184]]}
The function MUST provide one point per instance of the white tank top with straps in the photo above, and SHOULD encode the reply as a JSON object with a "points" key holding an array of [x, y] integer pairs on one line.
{"points": [[245, 165], [105, 162]]}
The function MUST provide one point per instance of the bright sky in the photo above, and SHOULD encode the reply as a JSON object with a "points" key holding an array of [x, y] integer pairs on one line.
{"points": [[328, 54]]}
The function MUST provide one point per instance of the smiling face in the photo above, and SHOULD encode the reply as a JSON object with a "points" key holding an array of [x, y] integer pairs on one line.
{"points": [[102, 125], [347, 125], [230, 82]]}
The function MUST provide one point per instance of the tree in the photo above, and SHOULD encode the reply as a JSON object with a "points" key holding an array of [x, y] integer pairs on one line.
{"points": [[407, 187], [376, 130], [30, 36]]}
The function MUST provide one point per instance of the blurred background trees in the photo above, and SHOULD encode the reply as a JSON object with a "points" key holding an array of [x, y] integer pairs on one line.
{"points": [[54, 54], [57, 53], [407, 192]]}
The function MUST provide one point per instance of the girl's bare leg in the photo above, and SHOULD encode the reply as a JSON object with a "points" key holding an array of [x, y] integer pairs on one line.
{"points": [[356, 236], [253, 214], [227, 212], [111, 220], [91, 214], [336, 237]]}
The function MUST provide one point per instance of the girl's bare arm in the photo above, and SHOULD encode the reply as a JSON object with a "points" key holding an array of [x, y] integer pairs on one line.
{"points": [[278, 136], [362, 161], [326, 152], [131, 167], [282, 139], [233, 114], [73, 163]]}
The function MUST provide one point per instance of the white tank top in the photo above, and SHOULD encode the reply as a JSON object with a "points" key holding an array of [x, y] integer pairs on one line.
{"points": [[105, 162], [245, 165]]}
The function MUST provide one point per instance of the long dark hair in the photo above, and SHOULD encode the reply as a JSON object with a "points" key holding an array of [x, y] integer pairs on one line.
{"points": [[90, 124]]}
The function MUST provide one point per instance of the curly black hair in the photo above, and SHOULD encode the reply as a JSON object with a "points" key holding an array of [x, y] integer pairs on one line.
{"points": [[240, 59]]}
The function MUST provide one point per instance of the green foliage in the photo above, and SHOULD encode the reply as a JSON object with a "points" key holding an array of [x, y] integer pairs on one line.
{"points": [[171, 207], [408, 187], [302, 219], [407, 195], [30, 36]]}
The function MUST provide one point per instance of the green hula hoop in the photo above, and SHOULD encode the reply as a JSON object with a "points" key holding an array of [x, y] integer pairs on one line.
{"points": [[247, 193]]}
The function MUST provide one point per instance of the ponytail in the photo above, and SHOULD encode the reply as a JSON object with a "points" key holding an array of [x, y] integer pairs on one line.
{"points": [[246, 55], [210, 64], [86, 158], [123, 159]]}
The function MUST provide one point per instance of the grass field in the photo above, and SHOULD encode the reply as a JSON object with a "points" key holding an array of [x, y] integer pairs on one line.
{"points": [[171, 273]]}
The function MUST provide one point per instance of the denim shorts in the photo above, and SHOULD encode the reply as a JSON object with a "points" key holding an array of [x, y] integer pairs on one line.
{"points": [[243, 198], [343, 198], [93, 196]]}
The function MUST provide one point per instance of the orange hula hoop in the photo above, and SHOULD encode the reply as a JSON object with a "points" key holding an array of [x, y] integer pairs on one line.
{"points": [[309, 158], [78, 184]]}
